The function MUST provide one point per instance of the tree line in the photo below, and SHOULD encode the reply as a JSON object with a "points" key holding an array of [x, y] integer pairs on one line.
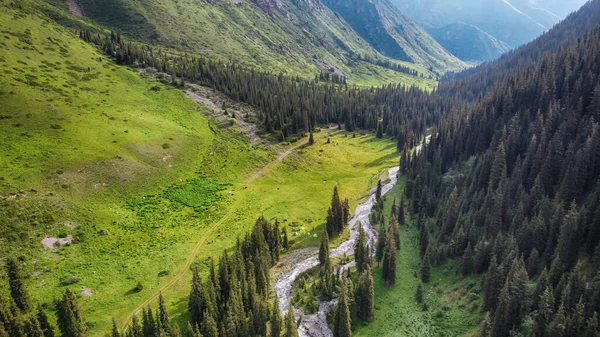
{"points": [[290, 105]]}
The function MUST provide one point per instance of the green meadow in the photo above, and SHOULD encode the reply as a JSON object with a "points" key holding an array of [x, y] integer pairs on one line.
{"points": [[453, 302], [141, 178]]}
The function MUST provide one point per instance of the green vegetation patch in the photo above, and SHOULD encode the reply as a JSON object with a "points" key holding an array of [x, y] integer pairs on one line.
{"points": [[451, 303]]}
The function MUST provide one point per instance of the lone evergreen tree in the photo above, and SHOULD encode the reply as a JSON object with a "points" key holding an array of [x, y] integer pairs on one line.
{"points": [[311, 139], [276, 319], [324, 249], [365, 295], [389, 262], [378, 191], [419, 293], [381, 240], [467, 261], [17, 286], [343, 324], [196, 304], [379, 133], [291, 329], [115, 330], [426, 267], [44, 322], [69, 317], [362, 254]]}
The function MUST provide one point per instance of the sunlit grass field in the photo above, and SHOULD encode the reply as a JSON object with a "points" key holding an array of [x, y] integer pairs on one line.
{"points": [[140, 176]]}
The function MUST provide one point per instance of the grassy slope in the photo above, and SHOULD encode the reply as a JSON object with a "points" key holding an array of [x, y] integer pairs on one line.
{"points": [[300, 38], [453, 309], [96, 146]]}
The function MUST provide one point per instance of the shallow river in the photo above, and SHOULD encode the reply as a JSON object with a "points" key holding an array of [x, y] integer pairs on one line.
{"points": [[316, 325]]}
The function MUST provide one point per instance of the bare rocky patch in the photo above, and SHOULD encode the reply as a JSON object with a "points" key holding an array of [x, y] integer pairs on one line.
{"points": [[49, 242]]}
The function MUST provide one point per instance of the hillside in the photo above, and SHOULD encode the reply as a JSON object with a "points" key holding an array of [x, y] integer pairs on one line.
{"points": [[392, 33], [136, 180], [468, 42], [295, 37], [511, 187], [512, 23], [472, 83]]}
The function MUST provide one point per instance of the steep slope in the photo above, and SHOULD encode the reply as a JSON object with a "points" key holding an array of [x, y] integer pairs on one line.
{"points": [[560, 7], [511, 189], [468, 42], [472, 83], [296, 37], [392, 33], [513, 22]]}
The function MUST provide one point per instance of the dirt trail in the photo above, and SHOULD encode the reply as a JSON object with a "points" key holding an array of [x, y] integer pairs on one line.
{"points": [[224, 219], [75, 8]]}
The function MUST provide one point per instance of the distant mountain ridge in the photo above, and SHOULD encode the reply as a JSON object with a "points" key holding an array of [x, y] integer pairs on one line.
{"points": [[512, 22], [392, 33]]}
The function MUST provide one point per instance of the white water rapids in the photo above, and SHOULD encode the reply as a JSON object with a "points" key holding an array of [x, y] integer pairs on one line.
{"points": [[316, 324]]}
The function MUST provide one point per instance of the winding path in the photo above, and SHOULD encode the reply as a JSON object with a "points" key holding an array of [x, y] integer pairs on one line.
{"points": [[316, 324], [192, 255]]}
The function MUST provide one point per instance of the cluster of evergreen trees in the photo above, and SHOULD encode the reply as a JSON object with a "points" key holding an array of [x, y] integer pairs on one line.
{"points": [[19, 319], [391, 65], [354, 302], [234, 300], [290, 105], [337, 215], [511, 187], [388, 240], [330, 77]]}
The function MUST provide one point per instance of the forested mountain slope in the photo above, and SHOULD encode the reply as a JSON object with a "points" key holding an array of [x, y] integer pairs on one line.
{"points": [[295, 37], [512, 189], [472, 83], [392, 33]]}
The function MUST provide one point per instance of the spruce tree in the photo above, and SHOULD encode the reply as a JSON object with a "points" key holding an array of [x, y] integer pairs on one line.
{"points": [[343, 324], [291, 329], [17, 286], [32, 328], [285, 242], [69, 316], [379, 133], [276, 319], [362, 254], [209, 328], [115, 330], [389, 262], [196, 305], [44, 322], [324, 249], [381, 240], [426, 267], [419, 293], [162, 318], [365, 295], [395, 232], [311, 139], [378, 191], [591, 329], [486, 329], [467, 261]]}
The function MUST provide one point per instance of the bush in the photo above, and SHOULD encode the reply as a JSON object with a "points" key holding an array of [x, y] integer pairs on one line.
{"points": [[139, 287], [69, 280]]}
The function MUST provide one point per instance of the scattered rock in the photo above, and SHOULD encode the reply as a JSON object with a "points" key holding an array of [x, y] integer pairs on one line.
{"points": [[86, 292], [56, 242]]}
